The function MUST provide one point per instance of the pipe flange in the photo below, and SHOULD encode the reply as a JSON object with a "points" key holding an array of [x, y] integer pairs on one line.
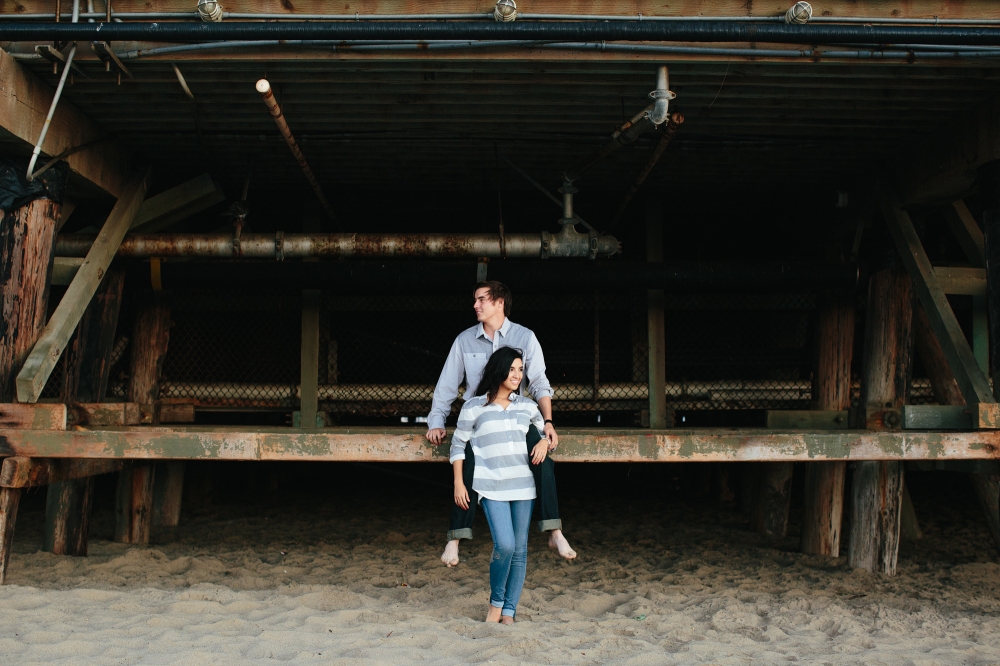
{"points": [[662, 94], [546, 245], [279, 246], [593, 245]]}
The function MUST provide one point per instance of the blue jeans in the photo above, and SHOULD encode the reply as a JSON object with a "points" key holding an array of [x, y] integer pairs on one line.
{"points": [[509, 522]]}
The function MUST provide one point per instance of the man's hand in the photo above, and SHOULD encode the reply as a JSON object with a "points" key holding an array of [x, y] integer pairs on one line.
{"points": [[435, 435], [550, 434], [539, 451], [461, 496]]}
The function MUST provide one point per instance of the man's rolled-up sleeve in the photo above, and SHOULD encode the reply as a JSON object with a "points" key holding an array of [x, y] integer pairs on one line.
{"points": [[463, 433], [446, 390], [534, 360]]}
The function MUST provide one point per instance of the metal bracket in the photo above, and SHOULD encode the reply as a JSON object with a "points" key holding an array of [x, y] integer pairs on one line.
{"points": [[279, 246], [546, 245], [237, 244], [104, 52], [592, 253]]}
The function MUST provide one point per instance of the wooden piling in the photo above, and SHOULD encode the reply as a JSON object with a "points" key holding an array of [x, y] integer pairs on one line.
{"points": [[877, 487], [657, 359], [150, 336], [27, 243], [168, 493], [770, 509], [823, 508], [88, 365]]}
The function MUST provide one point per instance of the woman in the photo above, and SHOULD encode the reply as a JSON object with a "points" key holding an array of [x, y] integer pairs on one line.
{"points": [[495, 422]]}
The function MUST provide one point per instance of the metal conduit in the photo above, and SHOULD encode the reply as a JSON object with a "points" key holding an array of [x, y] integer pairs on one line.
{"points": [[573, 31], [566, 243]]}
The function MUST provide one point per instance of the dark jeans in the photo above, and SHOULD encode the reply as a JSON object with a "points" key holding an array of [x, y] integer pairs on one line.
{"points": [[545, 487]]}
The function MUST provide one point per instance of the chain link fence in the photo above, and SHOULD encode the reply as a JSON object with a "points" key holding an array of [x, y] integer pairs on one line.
{"points": [[380, 356]]}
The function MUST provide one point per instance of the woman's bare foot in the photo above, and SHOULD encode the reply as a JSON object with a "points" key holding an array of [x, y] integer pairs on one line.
{"points": [[493, 614], [558, 541], [507, 619], [450, 554]]}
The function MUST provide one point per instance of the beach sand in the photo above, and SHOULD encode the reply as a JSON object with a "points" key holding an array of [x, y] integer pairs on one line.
{"points": [[338, 564]]}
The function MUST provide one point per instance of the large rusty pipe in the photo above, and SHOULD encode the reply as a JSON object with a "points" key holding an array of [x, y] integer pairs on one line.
{"points": [[567, 243], [264, 88]]}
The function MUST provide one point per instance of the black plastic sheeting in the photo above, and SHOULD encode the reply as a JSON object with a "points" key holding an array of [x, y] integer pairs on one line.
{"points": [[17, 191], [566, 31], [542, 275]]}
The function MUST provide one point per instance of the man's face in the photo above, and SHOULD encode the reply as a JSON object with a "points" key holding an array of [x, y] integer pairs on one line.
{"points": [[485, 308]]}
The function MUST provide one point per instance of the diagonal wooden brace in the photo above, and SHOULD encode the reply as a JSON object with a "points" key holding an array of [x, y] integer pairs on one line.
{"points": [[46, 352], [972, 382]]}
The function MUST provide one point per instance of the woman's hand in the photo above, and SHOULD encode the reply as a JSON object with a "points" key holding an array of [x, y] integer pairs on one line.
{"points": [[539, 451], [461, 496]]}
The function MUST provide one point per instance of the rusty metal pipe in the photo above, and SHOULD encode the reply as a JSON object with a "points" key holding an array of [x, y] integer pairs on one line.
{"points": [[566, 243], [264, 88]]}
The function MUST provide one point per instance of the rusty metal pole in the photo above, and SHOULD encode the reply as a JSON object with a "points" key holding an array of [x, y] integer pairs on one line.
{"points": [[264, 88]]}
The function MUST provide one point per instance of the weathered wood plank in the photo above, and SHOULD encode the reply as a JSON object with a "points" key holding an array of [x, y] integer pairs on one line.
{"points": [[575, 445], [168, 490], [64, 269], [807, 419], [961, 281], [88, 355], [27, 241], [936, 417], [24, 103], [134, 504], [21, 472], [160, 211], [967, 232], [309, 358], [656, 328], [9, 500], [52, 341], [823, 508], [67, 516], [771, 506], [971, 380], [150, 336], [46, 416]]}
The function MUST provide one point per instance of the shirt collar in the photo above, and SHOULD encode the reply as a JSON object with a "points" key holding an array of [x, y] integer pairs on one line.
{"points": [[481, 332]]}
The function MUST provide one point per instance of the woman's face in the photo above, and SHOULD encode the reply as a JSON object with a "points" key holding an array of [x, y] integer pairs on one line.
{"points": [[514, 375]]}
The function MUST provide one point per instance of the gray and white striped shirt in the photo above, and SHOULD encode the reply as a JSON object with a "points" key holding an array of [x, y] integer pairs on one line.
{"points": [[498, 436]]}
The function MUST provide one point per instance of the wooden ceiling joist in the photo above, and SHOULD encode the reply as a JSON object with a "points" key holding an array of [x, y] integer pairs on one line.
{"points": [[24, 103]]}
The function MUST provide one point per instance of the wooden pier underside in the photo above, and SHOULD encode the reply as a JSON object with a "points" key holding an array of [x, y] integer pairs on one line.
{"points": [[576, 445]]}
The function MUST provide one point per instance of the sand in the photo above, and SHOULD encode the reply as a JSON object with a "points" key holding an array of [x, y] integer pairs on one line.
{"points": [[350, 575]]}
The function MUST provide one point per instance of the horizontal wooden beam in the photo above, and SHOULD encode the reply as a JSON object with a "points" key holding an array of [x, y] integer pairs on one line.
{"points": [[575, 445], [961, 281], [21, 472], [968, 9], [807, 419], [24, 103], [34, 416], [178, 203], [58, 416], [936, 417]]}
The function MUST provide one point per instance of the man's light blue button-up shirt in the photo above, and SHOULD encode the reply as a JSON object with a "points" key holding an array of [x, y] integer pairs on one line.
{"points": [[467, 359]]}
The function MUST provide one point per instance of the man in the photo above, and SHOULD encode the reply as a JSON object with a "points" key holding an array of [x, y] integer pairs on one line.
{"points": [[467, 358]]}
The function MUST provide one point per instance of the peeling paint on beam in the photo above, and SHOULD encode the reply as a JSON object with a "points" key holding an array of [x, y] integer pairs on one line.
{"points": [[576, 445]]}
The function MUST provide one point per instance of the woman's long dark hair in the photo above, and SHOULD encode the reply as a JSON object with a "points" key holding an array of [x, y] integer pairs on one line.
{"points": [[496, 372]]}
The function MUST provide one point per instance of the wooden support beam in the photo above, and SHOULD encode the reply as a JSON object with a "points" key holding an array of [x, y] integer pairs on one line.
{"points": [[134, 504], [772, 500], [936, 417], [823, 507], [88, 355], [807, 419], [67, 517], [972, 382], [24, 103], [877, 487], [21, 472], [176, 204], [909, 526], [575, 445], [27, 240], [168, 490], [45, 416], [9, 499], [150, 338], [309, 359], [656, 329], [52, 341], [967, 232], [961, 281]]}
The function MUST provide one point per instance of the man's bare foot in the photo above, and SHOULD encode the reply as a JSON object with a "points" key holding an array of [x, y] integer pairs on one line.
{"points": [[507, 619], [450, 554], [558, 541], [493, 614]]}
